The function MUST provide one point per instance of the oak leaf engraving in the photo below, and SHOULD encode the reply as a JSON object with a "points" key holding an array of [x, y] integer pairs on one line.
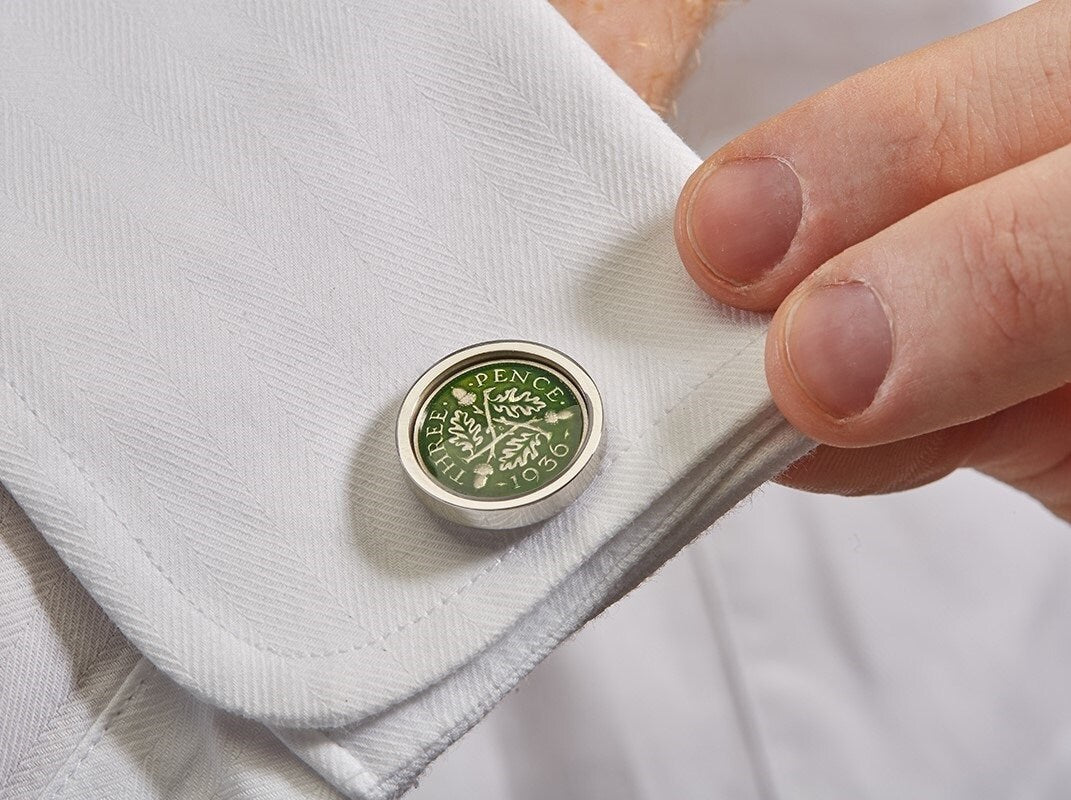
{"points": [[466, 434], [516, 404], [519, 449]]}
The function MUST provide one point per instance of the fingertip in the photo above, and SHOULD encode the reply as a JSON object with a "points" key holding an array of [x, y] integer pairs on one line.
{"points": [[793, 403], [705, 278], [828, 352], [735, 222]]}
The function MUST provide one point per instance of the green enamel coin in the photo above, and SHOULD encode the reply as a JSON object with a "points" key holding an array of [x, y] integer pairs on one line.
{"points": [[500, 429]]}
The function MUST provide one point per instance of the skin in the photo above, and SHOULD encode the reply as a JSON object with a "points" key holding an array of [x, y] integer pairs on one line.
{"points": [[935, 190], [939, 184], [649, 44]]}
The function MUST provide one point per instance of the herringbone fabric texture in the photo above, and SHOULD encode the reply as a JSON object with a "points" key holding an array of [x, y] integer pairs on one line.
{"points": [[85, 716], [232, 234]]}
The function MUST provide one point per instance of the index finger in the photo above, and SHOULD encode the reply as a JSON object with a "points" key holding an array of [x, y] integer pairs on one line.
{"points": [[770, 207]]}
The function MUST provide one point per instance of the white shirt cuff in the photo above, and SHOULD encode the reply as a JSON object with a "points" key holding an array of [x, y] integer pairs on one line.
{"points": [[230, 244]]}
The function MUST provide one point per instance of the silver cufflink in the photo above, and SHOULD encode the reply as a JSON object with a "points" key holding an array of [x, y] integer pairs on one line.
{"points": [[501, 434]]}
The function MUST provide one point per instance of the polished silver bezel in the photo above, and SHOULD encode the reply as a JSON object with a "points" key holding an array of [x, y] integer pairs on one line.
{"points": [[512, 512]]}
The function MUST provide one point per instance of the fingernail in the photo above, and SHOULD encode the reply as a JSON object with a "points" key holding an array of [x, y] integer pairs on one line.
{"points": [[743, 217], [839, 346]]}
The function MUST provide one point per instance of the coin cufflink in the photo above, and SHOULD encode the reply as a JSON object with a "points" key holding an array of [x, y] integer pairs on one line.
{"points": [[501, 434]]}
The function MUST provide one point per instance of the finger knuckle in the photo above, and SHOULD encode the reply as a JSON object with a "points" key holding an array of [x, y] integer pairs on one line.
{"points": [[932, 138], [1014, 276], [953, 122]]}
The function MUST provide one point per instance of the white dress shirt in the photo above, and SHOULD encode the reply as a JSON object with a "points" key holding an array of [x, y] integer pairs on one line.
{"points": [[914, 645], [233, 236], [241, 187]]}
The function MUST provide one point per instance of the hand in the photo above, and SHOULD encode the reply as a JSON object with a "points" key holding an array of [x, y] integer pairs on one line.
{"points": [[911, 227], [649, 43]]}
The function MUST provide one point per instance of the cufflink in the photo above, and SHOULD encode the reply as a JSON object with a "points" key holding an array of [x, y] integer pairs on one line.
{"points": [[501, 434]]}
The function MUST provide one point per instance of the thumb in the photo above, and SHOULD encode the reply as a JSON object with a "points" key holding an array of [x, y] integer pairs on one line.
{"points": [[954, 313]]}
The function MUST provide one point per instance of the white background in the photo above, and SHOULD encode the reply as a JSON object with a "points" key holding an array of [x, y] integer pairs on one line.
{"points": [[915, 646]]}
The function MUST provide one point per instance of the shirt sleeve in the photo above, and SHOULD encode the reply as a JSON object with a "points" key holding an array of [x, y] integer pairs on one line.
{"points": [[232, 235]]}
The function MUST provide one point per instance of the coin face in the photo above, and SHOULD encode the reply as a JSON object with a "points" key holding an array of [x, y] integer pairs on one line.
{"points": [[500, 429], [501, 434]]}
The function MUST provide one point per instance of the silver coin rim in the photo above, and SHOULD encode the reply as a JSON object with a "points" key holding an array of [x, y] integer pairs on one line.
{"points": [[524, 509]]}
